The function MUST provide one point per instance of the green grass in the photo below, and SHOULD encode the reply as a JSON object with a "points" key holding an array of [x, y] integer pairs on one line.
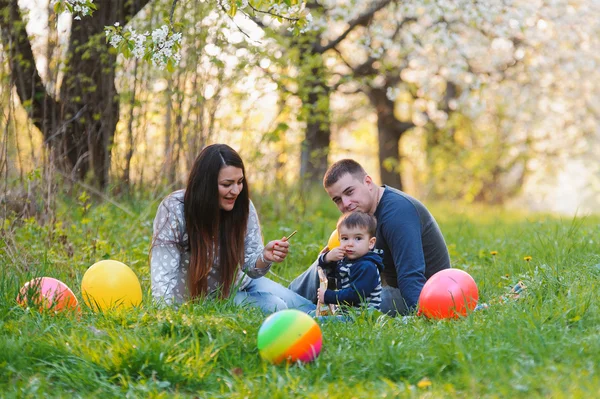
{"points": [[546, 344]]}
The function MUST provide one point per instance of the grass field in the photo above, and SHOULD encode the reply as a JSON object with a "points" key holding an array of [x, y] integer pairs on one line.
{"points": [[545, 344]]}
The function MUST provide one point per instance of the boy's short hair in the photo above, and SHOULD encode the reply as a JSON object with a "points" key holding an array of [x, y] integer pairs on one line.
{"points": [[340, 168], [358, 219]]}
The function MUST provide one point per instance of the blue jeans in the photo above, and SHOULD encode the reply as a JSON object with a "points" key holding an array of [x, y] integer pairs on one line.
{"points": [[270, 297], [306, 284]]}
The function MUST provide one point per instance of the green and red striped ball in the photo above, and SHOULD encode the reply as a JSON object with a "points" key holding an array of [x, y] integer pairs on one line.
{"points": [[289, 335]]}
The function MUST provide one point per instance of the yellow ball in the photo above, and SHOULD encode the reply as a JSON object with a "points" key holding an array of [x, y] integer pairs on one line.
{"points": [[110, 284], [334, 240]]}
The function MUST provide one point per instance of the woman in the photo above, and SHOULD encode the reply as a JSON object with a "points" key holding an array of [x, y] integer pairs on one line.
{"points": [[207, 240]]}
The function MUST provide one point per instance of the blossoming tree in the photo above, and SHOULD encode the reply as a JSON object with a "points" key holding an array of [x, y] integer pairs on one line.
{"points": [[479, 81], [304, 74], [79, 125], [430, 51]]}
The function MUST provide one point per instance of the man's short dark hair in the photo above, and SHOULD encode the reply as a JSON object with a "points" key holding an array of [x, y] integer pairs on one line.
{"points": [[340, 168], [358, 219]]}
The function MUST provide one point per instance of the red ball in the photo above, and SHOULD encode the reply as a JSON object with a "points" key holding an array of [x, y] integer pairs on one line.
{"points": [[448, 294]]}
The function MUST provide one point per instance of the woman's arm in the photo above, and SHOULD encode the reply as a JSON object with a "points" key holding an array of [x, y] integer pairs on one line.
{"points": [[168, 274], [253, 247]]}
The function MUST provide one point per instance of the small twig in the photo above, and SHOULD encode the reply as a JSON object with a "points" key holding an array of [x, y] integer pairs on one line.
{"points": [[240, 29], [173, 5], [98, 193], [8, 251], [273, 14], [59, 129], [291, 235], [235, 23], [279, 277]]}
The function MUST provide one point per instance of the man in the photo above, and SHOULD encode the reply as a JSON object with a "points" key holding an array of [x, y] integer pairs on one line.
{"points": [[408, 237]]}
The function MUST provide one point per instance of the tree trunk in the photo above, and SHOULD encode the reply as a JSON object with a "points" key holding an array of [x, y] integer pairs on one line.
{"points": [[91, 105], [389, 130], [79, 128], [131, 138], [315, 94], [169, 145], [315, 147], [179, 124]]}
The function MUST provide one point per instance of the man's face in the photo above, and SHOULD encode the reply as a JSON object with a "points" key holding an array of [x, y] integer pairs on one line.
{"points": [[351, 194]]}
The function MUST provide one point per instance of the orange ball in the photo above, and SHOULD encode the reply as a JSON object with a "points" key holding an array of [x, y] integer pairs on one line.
{"points": [[334, 240], [448, 294], [48, 293]]}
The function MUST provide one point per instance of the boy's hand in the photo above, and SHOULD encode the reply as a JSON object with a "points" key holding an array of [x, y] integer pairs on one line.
{"points": [[335, 254], [321, 295]]}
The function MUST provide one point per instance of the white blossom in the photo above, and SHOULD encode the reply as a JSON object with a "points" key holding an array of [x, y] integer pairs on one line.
{"points": [[79, 8], [115, 40]]}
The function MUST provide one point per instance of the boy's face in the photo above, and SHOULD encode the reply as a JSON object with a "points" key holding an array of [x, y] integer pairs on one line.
{"points": [[356, 241]]}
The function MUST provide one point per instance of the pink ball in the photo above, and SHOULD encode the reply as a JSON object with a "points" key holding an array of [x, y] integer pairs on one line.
{"points": [[448, 294], [48, 293]]}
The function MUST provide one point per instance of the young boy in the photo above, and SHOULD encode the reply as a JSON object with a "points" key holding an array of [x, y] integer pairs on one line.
{"points": [[356, 268]]}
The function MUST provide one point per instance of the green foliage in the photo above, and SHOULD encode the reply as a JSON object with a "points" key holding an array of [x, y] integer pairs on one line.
{"points": [[66, 5], [546, 344], [474, 163]]}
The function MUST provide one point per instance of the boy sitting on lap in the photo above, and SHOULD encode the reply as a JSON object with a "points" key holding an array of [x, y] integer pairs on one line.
{"points": [[355, 267]]}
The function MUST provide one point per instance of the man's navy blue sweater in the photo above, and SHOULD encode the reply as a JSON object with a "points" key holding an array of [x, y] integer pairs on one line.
{"points": [[410, 242]]}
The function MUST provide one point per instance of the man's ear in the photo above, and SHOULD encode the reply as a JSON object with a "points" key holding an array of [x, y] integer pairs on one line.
{"points": [[368, 180], [372, 242]]}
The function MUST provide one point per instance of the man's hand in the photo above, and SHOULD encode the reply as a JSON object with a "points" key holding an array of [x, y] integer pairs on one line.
{"points": [[335, 254]]}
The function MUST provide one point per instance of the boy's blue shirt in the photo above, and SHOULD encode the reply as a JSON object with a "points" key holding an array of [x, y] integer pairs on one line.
{"points": [[363, 274]]}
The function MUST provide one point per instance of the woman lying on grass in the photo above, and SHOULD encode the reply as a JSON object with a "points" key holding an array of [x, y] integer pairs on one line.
{"points": [[204, 233]]}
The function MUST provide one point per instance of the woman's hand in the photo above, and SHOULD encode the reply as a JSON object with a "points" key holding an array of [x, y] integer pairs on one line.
{"points": [[276, 251]]}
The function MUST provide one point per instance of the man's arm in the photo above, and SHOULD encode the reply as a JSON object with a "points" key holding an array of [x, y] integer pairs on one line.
{"points": [[401, 228]]}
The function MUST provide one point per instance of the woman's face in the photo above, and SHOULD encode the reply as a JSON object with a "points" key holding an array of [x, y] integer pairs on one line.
{"points": [[231, 183]]}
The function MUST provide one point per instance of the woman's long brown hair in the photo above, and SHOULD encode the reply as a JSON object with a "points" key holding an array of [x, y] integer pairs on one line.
{"points": [[210, 228]]}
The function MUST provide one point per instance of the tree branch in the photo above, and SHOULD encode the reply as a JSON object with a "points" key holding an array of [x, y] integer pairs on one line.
{"points": [[358, 90], [173, 5], [129, 9], [256, 10], [366, 68], [257, 21], [280, 84], [361, 20]]}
